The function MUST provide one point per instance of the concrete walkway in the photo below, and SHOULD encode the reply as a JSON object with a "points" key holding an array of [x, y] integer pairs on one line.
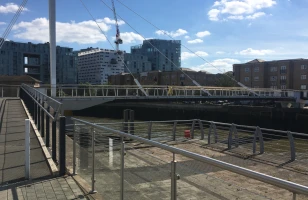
{"points": [[55, 188], [12, 158]]}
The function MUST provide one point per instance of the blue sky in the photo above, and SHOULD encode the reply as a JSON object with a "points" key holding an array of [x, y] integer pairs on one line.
{"points": [[223, 32]]}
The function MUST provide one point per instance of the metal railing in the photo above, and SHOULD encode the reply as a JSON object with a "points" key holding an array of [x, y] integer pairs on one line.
{"points": [[286, 146], [94, 133], [156, 91], [45, 112]]}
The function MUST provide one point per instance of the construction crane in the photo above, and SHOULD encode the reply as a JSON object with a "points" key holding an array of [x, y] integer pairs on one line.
{"points": [[118, 37]]}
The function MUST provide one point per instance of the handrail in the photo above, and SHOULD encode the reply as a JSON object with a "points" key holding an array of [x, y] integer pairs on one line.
{"points": [[37, 93], [290, 186]]}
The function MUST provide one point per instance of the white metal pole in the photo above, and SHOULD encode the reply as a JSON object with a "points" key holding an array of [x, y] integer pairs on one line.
{"points": [[110, 152], [52, 43], [27, 148]]}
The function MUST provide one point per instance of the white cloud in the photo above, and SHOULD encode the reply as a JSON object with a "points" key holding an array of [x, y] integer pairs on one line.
{"points": [[107, 20], [249, 25], [85, 32], [196, 41], [10, 8], [220, 52], [187, 55], [254, 52], [239, 17], [203, 34], [176, 33], [131, 37], [213, 14], [2, 23], [239, 9], [217, 66], [187, 37], [255, 15]]}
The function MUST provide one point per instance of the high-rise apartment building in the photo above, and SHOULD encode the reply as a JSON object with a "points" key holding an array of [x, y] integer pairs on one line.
{"points": [[277, 74], [95, 65], [18, 58], [137, 63], [169, 61]]}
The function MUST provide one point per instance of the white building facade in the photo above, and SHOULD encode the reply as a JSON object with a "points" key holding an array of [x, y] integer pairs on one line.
{"points": [[95, 65]]}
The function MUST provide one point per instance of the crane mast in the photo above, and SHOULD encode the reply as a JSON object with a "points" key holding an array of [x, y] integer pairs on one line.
{"points": [[118, 37]]}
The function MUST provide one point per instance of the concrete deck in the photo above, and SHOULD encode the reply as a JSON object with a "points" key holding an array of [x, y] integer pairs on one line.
{"points": [[43, 185]]}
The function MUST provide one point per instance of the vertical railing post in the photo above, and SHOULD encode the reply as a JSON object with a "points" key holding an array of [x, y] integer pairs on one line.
{"points": [[173, 180], [27, 149], [149, 130], [93, 161], [261, 141], [201, 129], [192, 132], [2, 91], [131, 120], [54, 138], [235, 136], [122, 168], [254, 143], [292, 146], [258, 134], [48, 128], [174, 131], [62, 147], [74, 148], [34, 111], [42, 121], [39, 116]]}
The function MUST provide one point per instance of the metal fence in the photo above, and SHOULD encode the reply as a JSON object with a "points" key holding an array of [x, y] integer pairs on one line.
{"points": [[138, 164], [156, 90], [45, 113]]}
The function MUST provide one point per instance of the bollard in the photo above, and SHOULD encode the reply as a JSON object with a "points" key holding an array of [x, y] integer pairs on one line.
{"points": [[62, 147], [27, 149]]}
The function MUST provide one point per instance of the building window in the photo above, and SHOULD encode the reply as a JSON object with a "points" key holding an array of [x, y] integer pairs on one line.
{"points": [[283, 87], [273, 78], [246, 69], [303, 87], [256, 69], [283, 67], [303, 66], [246, 79], [256, 78], [303, 77], [273, 69], [274, 87], [283, 77]]}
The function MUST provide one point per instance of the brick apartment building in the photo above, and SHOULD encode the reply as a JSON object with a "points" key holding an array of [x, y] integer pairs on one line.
{"points": [[170, 78], [277, 74]]}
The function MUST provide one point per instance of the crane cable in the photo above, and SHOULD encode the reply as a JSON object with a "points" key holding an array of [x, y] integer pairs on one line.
{"points": [[11, 24], [195, 82], [135, 80], [239, 83]]}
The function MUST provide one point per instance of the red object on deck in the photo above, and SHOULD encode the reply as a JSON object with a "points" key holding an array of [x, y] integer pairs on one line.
{"points": [[187, 133]]}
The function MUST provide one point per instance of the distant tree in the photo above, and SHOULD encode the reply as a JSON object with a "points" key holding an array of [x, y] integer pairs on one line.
{"points": [[225, 80]]}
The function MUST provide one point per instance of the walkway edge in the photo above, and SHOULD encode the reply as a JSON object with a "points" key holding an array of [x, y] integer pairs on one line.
{"points": [[52, 166]]}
